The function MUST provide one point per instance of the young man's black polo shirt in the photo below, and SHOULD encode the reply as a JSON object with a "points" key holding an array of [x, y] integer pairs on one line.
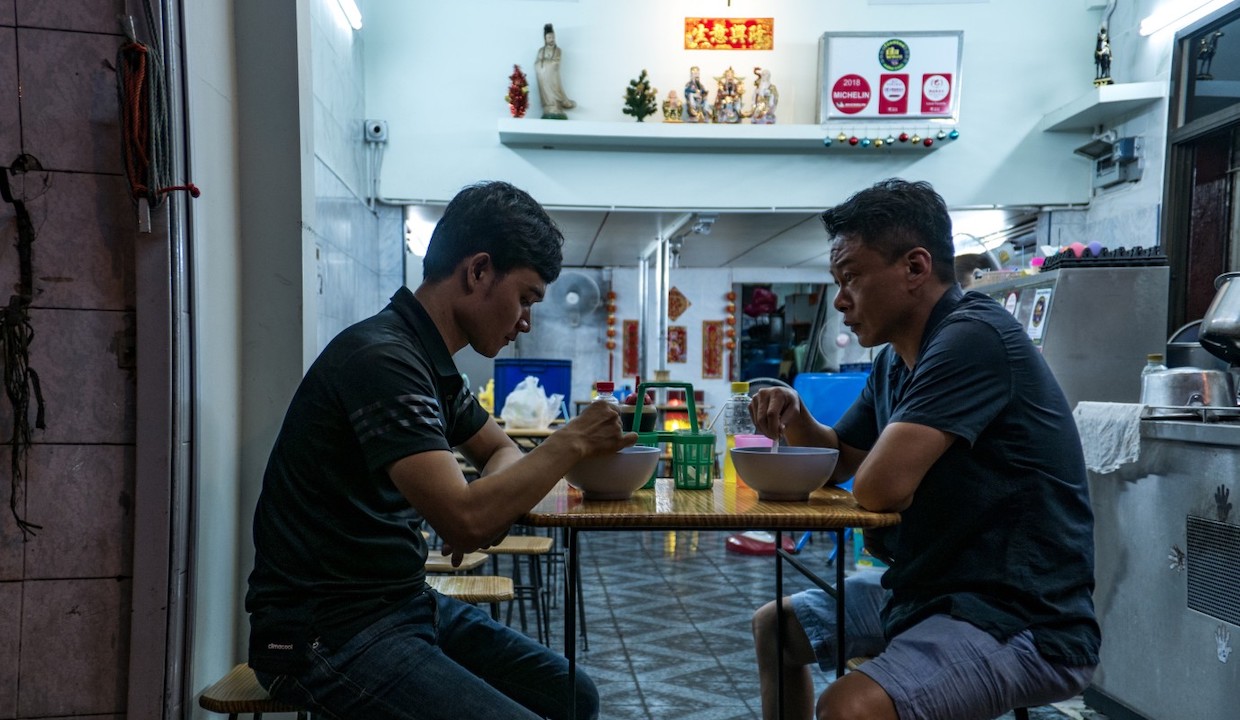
{"points": [[336, 544]]}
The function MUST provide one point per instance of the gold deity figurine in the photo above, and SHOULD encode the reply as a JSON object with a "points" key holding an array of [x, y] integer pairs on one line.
{"points": [[728, 95], [673, 108]]}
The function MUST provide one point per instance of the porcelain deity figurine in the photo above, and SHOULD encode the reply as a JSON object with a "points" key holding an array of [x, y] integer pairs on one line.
{"points": [[696, 110], [673, 108], [728, 97], [550, 90], [765, 98]]}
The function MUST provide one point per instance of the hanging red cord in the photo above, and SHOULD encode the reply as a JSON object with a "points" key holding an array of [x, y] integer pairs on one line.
{"points": [[142, 142]]}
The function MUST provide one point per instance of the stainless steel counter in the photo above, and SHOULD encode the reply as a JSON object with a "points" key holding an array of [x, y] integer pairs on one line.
{"points": [[1167, 546]]}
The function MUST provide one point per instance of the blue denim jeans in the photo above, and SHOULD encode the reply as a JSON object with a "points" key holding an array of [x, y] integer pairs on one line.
{"points": [[436, 658]]}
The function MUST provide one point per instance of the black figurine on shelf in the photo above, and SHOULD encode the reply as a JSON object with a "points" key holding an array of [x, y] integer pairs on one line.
{"points": [[1206, 48], [1102, 59]]}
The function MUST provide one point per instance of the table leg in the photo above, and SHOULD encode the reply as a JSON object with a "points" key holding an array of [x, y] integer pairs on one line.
{"points": [[840, 656], [570, 618], [780, 623]]}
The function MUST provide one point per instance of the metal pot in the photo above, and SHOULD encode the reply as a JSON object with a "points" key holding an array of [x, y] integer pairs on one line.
{"points": [[1184, 349], [1220, 328], [1187, 387]]}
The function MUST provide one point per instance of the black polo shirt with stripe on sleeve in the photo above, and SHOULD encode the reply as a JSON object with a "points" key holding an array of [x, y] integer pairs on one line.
{"points": [[336, 544]]}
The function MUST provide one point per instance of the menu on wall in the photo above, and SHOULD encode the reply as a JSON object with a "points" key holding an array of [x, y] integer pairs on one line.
{"points": [[889, 76]]}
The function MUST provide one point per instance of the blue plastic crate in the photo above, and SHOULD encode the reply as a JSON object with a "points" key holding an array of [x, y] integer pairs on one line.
{"points": [[555, 376], [828, 395]]}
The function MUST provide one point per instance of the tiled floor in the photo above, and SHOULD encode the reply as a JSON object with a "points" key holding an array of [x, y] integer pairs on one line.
{"points": [[668, 625]]}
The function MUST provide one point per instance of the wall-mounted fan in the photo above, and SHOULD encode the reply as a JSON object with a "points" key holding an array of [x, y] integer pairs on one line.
{"points": [[576, 294]]}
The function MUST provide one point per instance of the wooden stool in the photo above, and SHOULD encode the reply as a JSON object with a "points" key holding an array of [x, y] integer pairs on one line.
{"points": [[532, 547], [854, 663], [436, 563], [239, 692], [474, 589]]}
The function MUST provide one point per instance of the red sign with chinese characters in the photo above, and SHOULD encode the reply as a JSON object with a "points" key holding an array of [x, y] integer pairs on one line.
{"points": [[729, 33]]}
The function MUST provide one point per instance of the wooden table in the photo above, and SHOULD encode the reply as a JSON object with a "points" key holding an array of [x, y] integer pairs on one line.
{"points": [[725, 506]]}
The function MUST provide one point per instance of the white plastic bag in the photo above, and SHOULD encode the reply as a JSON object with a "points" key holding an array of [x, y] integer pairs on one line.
{"points": [[528, 406]]}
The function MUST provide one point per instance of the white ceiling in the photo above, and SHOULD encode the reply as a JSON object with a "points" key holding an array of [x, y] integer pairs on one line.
{"points": [[617, 238]]}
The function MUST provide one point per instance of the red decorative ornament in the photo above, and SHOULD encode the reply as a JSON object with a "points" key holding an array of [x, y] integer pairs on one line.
{"points": [[611, 344], [731, 296], [730, 307], [731, 320], [928, 142], [518, 97], [611, 295], [611, 332], [730, 344], [854, 140], [903, 137], [730, 332]]}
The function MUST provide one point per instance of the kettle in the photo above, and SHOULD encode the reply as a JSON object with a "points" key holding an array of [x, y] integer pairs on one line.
{"points": [[1220, 327]]}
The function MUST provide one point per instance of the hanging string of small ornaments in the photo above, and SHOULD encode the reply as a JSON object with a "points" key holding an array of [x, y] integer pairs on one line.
{"points": [[611, 335], [869, 139], [730, 333]]}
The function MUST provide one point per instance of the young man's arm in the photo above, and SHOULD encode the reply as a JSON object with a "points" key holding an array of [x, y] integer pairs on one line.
{"points": [[472, 515]]}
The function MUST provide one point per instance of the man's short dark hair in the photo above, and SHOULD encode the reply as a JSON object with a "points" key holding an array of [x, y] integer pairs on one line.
{"points": [[894, 216], [497, 218]]}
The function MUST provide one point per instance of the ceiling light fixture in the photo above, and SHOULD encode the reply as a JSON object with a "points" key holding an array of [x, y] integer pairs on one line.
{"points": [[352, 13], [1176, 14]]}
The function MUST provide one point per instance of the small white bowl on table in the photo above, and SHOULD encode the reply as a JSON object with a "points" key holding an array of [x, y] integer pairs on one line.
{"points": [[789, 475], [613, 476]]}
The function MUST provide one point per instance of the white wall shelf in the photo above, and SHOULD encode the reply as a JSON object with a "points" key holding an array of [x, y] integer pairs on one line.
{"points": [[658, 136], [1104, 105]]}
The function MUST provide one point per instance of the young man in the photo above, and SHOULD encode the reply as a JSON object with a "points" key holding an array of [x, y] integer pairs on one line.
{"points": [[962, 429], [341, 619]]}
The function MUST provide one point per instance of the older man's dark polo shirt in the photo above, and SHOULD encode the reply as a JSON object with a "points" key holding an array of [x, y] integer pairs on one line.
{"points": [[336, 544], [1000, 531]]}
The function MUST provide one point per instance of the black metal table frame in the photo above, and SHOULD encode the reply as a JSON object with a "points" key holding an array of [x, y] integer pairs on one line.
{"points": [[571, 581]]}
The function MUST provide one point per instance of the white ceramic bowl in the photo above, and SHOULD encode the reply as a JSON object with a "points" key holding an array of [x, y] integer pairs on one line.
{"points": [[614, 477], [790, 474]]}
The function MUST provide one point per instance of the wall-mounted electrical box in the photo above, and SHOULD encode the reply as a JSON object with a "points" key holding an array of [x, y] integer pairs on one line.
{"points": [[1115, 161]]}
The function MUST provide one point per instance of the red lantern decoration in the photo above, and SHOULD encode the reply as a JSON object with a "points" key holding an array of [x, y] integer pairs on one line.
{"points": [[730, 344], [731, 296], [731, 320], [730, 332], [611, 294], [611, 344], [730, 307], [611, 332]]}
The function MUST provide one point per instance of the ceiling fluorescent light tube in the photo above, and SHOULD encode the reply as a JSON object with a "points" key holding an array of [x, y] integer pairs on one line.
{"points": [[351, 13], [1176, 14]]}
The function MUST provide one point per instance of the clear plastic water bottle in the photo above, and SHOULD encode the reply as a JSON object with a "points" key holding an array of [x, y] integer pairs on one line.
{"points": [[736, 421], [1153, 363], [607, 393]]}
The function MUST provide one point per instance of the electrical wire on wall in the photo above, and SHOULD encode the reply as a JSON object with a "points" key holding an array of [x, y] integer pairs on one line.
{"points": [[16, 335], [143, 94]]}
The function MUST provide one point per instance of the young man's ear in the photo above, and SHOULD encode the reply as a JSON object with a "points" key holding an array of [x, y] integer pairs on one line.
{"points": [[476, 268]]}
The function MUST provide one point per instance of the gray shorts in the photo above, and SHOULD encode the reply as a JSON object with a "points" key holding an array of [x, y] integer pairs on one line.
{"points": [[942, 668]]}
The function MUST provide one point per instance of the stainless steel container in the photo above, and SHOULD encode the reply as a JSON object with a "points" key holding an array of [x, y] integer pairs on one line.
{"points": [[1220, 328], [1184, 350], [1187, 387]]}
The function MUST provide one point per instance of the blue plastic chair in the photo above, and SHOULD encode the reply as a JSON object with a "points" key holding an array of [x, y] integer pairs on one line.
{"points": [[828, 396]]}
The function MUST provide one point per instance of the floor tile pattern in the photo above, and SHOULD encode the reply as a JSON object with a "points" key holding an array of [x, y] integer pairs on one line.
{"points": [[668, 615]]}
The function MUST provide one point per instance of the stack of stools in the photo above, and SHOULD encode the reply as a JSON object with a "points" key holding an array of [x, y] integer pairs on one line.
{"points": [[462, 582], [532, 548]]}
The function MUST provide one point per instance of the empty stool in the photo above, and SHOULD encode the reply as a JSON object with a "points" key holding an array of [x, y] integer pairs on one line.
{"points": [[436, 563], [474, 589], [239, 692], [533, 547]]}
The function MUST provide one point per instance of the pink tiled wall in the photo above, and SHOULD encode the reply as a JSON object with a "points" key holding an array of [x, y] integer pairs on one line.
{"points": [[65, 593]]}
